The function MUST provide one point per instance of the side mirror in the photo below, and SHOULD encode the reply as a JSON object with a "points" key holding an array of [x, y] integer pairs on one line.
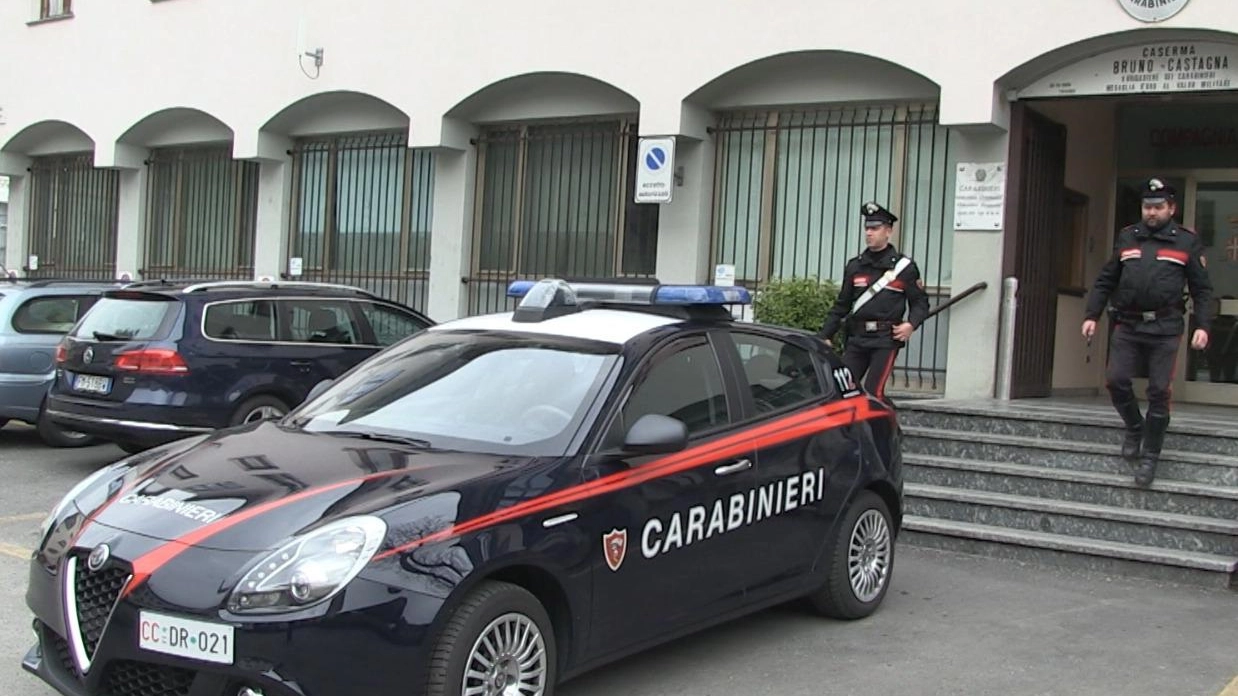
{"points": [[656, 434], [318, 389]]}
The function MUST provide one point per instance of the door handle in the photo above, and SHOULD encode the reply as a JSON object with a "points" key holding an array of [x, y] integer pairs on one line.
{"points": [[561, 519], [301, 363], [727, 469]]}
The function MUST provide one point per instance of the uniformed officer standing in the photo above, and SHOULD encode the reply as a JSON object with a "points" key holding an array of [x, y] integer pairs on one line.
{"points": [[879, 286], [1143, 284]]}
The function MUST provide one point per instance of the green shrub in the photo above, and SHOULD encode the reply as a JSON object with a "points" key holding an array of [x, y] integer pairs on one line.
{"points": [[800, 303]]}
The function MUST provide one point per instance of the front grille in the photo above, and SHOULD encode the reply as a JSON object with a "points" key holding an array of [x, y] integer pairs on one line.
{"points": [[127, 678], [61, 647], [96, 594]]}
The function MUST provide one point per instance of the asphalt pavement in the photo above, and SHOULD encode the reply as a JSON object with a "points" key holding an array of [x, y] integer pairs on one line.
{"points": [[951, 624]]}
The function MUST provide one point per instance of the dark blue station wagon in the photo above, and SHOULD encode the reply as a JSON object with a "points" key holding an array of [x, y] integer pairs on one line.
{"points": [[155, 362]]}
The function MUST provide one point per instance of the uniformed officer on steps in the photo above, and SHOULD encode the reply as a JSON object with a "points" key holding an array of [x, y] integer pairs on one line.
{"points": [[1143, 284], [879, 286]]}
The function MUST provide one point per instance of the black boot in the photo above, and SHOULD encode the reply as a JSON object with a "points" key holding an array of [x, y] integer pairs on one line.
{"points": [[1153, 438], [1133, 438]]}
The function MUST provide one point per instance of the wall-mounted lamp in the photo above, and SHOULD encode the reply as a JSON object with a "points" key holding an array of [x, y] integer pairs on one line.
{"points": [[316, 54]]}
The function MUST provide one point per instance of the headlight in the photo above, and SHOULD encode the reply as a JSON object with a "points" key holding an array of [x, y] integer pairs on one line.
{"points": [[87, 485], [310, 569], [91, 493]]}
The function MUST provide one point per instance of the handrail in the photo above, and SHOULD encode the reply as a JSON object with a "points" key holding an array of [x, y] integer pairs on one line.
{"points": [[957, 298]]}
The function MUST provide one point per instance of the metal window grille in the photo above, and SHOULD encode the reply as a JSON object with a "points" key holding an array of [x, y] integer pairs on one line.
{"points": [[73, 218], [201, 214], [556, 200], [362, 208], [49, 9], [788, 189]]}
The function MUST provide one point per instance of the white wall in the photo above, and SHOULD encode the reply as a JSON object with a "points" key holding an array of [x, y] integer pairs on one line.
{"points": [[971, 367], [4, 214], [147, 74], [808, 78], [177, 126], [115, 63]]}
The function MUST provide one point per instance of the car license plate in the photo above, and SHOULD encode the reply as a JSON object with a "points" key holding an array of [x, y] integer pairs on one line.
{"points": [[196, 640], [94, 384]]}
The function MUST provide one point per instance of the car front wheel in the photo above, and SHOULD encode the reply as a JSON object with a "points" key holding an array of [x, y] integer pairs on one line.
{"points": [[861, 561], [498, 642]]}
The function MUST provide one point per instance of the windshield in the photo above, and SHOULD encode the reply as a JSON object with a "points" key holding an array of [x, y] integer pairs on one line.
{"points": [[473, 392], [116, 319]]}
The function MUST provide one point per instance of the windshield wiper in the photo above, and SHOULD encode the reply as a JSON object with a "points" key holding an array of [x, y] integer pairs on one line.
{"points": [[100, 336], [381, 437]]}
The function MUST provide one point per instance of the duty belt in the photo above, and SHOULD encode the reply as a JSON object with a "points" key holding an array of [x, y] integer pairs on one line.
{"points": [[868, 326], [1145, 315]]}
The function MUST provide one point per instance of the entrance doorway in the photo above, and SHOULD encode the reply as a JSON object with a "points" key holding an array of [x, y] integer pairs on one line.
{"points": [[1208, 204], [1112, 146], [1132, 105]]}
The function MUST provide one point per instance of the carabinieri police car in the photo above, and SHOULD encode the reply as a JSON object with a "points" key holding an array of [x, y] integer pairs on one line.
{"points": [[488, 507]]}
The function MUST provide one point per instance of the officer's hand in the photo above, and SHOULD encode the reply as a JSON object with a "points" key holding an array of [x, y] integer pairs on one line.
{"points": [[1199, 341], [1089, 328], [902, 332], [829, 343]]}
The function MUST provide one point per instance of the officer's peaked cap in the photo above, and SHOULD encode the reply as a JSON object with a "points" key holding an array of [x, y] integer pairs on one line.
{"points": [[876, 216], [1157, 190]]}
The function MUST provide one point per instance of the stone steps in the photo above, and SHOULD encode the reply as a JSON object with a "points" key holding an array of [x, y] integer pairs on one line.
{"points": [[1101, 457], [1046, 484], [1071, 551], [1078, 486], [1097, 425], [1187, 533]]}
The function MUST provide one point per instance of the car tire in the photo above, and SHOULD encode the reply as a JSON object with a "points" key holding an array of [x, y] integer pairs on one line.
{"points": [[258, 407], [485, 612], [866, 542], [55, 436]]}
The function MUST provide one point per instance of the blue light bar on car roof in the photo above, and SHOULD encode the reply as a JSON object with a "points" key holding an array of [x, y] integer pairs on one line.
{"points": [[619, 293], [701, 294]]}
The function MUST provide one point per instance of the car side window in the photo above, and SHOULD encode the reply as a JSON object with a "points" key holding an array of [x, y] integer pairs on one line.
{"points": [[318, 321], [779, 374], [390, 325], [686, 385], [240, 321], [51, 314]]}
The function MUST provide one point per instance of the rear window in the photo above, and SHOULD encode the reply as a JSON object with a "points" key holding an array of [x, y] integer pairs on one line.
{"points": [[126, 319]]}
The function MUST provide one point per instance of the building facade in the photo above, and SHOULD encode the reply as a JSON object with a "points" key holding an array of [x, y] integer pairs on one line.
{"points": [[4, 214], [436, 152]]}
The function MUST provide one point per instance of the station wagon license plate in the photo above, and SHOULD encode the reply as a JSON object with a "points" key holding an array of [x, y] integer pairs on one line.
{"points": [[94, 384], [197, 640]]}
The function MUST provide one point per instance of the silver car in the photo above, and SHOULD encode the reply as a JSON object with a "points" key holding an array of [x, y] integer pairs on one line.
{"points": [[34, 316]]}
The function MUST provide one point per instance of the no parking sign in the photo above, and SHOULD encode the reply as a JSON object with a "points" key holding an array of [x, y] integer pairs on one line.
{"points": [[655, 170]]}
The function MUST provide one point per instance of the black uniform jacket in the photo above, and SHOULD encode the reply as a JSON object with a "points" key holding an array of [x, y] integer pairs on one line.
{"points": [[1147, 273], [904, 295]]}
